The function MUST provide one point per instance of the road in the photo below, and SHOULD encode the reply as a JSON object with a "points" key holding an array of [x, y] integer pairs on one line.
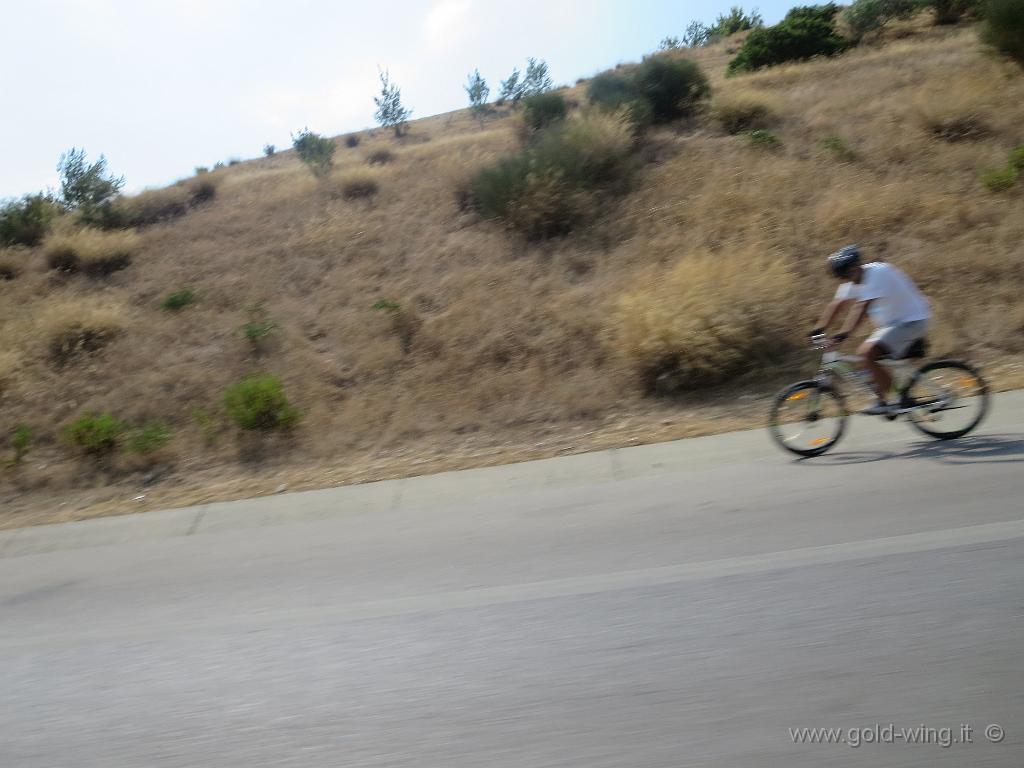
{"points": [[669, 605]]}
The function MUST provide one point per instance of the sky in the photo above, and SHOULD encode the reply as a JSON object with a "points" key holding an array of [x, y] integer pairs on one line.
{"points": [[162, 86]]}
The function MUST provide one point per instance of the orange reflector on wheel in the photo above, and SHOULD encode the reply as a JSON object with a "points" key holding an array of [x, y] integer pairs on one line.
{"points": [[819, 441], [798, 395], [966, 382]]}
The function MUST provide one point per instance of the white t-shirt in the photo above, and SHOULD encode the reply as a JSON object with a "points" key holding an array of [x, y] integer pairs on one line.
{"points": [[894, 297]]}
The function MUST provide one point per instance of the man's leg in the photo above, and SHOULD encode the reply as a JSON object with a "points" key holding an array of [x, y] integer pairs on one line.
{"points": [[871, 351]]}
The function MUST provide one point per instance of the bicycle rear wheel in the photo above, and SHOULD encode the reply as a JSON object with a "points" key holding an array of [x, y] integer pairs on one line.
{"points": [[807, 418], [949, 399]]}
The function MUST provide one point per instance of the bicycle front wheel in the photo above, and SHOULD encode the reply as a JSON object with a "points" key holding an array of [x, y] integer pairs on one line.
{"points": [[948, 398], [807, 418]]}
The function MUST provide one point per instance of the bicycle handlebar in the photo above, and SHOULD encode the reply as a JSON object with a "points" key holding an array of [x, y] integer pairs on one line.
{"points": [[821, 341]]}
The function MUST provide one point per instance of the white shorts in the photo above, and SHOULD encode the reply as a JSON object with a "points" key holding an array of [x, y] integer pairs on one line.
{"points": [[898, 338]]}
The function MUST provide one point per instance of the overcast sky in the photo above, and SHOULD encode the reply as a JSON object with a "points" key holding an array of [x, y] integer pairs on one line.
{"points": [[161, 86]]}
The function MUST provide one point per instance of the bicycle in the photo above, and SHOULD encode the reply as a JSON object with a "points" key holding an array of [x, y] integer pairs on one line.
{"points": [[809, 417]]}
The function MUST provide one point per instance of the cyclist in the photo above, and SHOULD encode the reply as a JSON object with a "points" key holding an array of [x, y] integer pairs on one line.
{"points": [[897, 308]]}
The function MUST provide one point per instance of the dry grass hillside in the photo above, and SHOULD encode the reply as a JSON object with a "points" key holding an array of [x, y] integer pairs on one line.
{"points": [[489, 346]]}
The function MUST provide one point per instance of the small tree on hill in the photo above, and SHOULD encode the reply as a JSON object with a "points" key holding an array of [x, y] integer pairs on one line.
{"points": [[537, 80], [86, 185], [478, 91], [316, 151], [391, 113], [696, 35], [511, 88]]}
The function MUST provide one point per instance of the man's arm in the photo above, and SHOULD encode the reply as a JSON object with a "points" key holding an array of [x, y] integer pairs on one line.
{"points": [[831, 312], [854, 319]]}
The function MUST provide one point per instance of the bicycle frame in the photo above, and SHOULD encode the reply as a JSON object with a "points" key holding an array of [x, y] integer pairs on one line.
{"points": [[845, 372], [849, 369]]}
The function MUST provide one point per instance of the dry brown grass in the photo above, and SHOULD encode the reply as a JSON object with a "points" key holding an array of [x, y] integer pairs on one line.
{"points": [[741, 109], [91, 251], [156, 205], [360, 183], [10, 362], [9, 268], [381, 157], [712, 317], [518, 343], [75, 327]]}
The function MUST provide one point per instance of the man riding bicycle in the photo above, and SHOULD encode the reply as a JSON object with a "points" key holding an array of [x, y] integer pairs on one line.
{"points": [[897, 308]]}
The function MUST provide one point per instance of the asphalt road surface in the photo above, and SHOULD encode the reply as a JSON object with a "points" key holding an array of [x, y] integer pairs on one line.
{"points": [[673, 605]]}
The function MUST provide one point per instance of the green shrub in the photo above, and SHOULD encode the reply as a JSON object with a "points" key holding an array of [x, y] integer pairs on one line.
{"points": [[542, 109], [259, 403], [837, 146], [148, 438], [735, 21], [672, 88], [95, 434], [764, 138], [999, 179], [209, 424], [1017, 159], [611, 90], [950, 11], [804, 32], [547, 187], [21, 440], [269, 150], [259, 327], [352, 141], [178, 299], [659, 90], [28, 220], [316, 151], [866, 16], [1003, 27], [404, 322], [201, 169]]}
